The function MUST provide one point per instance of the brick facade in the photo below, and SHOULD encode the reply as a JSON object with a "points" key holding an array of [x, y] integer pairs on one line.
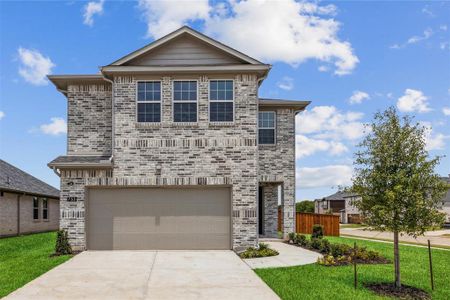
{"points": [[12, 223]]}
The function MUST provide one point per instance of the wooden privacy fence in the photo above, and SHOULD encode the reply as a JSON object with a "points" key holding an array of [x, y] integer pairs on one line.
{"points": [[304, 223]]}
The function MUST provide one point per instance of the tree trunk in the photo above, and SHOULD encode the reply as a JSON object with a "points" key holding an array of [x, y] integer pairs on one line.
{"points": [[396, 261]]}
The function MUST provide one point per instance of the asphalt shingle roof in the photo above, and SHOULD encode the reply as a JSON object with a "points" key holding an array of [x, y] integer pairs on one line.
{"points": [[90, 160], [14, 179]]}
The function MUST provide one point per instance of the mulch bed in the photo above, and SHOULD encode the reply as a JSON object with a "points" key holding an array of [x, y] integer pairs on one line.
{"points": [[405, 292]]}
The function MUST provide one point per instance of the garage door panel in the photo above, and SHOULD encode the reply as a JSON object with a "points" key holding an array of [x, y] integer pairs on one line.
{"points": [[157, 218]]}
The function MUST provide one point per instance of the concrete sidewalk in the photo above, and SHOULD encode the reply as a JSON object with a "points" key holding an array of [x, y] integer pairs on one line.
{"points": [[435, 237], [148, 275], [289, 256]]}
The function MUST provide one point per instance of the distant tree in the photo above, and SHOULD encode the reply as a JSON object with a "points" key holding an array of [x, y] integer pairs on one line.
{"points": [[305, 206], [394, 175]]}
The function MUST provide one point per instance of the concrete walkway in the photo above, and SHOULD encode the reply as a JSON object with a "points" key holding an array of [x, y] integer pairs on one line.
{"points": [[148, 275], [436, 237], [289, 256]]}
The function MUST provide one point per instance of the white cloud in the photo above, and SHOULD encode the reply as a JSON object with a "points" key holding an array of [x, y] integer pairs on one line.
{"points": [[323, 68], [163, 17], [413, 101], [327, 122], [297, 32], [90, 10], [332, 175], [358, 97], [286, 83], [34, 66], [427, 33], [433, 141], [443, 27], [2, 115], [57, 126], [426, 10], [307, 146], [446, 111]]}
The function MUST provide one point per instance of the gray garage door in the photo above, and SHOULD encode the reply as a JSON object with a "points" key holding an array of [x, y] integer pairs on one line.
{"points": [[158, 218]]}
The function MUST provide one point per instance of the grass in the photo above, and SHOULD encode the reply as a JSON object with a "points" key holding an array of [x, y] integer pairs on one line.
{"points": [[319, 282], [342, 226], [24, 258]]}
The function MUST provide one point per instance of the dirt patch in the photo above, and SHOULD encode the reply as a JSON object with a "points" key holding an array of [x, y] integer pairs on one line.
{"points": [[405, 292]]}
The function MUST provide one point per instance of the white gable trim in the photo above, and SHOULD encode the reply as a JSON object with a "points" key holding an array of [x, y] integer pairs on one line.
{"points": [[177, 33]]}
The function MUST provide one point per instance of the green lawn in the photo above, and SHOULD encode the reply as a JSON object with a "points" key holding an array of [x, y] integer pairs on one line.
{"points": [[24, 258], [318, 282]]}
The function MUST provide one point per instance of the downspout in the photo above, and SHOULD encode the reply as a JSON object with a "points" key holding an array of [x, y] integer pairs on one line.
{"points": [[112, 115]]}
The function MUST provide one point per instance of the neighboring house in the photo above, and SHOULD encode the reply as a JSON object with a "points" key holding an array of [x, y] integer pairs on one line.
{"points": [[332, 204], [350, 214], [170, 147], [446, 202], [27, 204]]}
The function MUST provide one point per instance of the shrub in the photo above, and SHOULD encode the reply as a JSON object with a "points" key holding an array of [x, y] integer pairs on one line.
{"points": [[326, 260], [340, 250], [300, 239], [317, 231], [325, 246], [291, 236], [263, 246], [263, 251], [62, 243], [316, 243]]}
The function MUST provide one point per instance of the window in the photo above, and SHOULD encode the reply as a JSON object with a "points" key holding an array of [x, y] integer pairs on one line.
{"points": [[35, 208], [221, 101], [185, 101], [149, 101], [45, 209], [266, 122]]}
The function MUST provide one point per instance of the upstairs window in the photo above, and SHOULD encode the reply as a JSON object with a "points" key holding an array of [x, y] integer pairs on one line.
{"points": [[221, 98], [149, 101], [266, 125], [35, 208], [185, 101], [45, 209]]}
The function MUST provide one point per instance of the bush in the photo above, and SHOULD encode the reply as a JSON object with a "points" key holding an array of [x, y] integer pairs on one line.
{"points": [[263, 251], [325, 246], [263, 246], [316, 243], [291, 236], [300, 239], [317, 231], [337, 250], [62, 243]]}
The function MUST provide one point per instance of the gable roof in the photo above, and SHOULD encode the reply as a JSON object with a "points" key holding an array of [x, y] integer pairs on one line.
{"points": [[191, 32], [335, 197], [15, 180]]}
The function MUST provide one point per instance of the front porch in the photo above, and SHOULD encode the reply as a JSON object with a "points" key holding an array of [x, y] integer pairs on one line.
{"points": [[270, 196]]}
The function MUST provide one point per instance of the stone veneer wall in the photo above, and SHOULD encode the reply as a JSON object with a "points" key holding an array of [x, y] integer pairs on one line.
{"points": [[277, 164], [173, 154], [270, 218], [89, 119]]}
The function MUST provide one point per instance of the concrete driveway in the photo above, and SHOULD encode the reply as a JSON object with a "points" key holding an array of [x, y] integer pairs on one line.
{"points": [[149, 275]]}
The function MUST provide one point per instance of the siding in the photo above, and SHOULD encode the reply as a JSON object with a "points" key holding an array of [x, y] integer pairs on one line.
{"points": [[8, 215], [184, 50]]}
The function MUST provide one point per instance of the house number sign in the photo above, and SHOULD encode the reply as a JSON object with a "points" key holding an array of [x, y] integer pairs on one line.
{"points": [[71, 199]]}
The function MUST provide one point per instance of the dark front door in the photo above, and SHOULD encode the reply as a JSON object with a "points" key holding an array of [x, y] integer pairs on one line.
{"points": [[260, 209]]}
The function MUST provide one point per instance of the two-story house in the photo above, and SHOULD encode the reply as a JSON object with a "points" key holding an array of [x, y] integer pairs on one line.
{"points": [[170, 147]]}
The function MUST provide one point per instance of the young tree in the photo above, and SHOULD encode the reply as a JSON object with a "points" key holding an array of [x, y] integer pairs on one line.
{"points": [[305, 206], [400, 192]]}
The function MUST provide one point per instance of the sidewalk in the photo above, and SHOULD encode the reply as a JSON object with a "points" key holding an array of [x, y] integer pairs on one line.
{"points": [[289, 256], [436, 237]]}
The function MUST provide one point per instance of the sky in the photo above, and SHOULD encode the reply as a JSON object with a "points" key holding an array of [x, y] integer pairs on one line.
{"points": [[350, 58]]}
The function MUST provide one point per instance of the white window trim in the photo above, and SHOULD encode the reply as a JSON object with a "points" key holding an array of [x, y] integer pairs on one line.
{"points": [[149, 101], [184, 101], [274, 127], [217, 101], [38, 208]]}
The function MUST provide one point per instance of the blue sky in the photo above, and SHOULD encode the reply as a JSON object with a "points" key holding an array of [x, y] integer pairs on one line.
{"points": [[349, 58]]}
